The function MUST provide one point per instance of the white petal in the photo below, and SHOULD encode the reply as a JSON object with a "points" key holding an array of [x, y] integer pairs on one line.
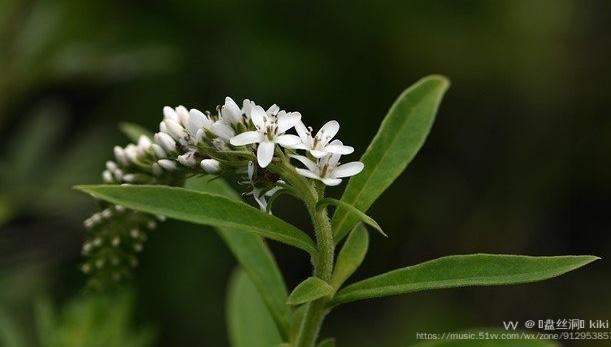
{"points": [[333, 159], [288, 141], [339, 149], [258, 117], [273, 110], [328, 131], [183, 115], [169, 113], [231, 112], [303, 132], [246, 138], [306, 161], [348, 169], [307, 173], [331, 181], [265, 153], [198, 120], [287, 121], [247, 106], [222, 130], [318, 154]]}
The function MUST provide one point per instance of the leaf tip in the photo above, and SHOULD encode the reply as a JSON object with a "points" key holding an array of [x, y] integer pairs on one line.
{"points": [[444, 82]]}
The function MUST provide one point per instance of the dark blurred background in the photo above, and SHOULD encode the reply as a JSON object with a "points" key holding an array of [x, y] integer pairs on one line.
{"points": [[517, 162]]}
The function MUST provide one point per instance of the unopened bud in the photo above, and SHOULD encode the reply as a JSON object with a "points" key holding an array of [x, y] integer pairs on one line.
{"points": [[174, 129], [167, 164], [211, 166], [158, 150], [157, 170], [120, 155], [169, 113], [165, 141]]}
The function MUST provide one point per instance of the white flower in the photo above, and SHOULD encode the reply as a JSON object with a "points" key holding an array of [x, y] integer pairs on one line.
{"points": [[270, 131], [211, 166], [328, 169], [198, 122], [319, 145]]}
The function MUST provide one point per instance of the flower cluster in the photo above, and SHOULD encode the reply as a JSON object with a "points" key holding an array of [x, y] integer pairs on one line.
{"points": [[227, 140], [249, 141]]}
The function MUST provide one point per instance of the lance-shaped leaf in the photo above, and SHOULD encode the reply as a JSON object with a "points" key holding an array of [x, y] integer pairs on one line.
{"points": [[248, 320], [309, 290], [351, 256], [134, 131], [254, 257], [399, 138], [202, 208], [462, 271]]}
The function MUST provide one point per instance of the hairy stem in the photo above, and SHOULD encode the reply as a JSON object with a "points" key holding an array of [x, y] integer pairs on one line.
{"points": [[323, 262], [323, 269]]}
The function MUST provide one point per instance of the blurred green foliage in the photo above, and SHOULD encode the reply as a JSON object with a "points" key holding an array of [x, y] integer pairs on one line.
{"points": [[86, 321], [518, 160]]}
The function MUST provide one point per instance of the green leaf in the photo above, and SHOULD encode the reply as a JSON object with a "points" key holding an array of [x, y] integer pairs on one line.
{"points": [[462, 271], [202, 208], [134, 131], [330, 342], [253, 255], [249, 322], [399, 138], [353, 210], [490, 337], [351, 256], [309, 290]]}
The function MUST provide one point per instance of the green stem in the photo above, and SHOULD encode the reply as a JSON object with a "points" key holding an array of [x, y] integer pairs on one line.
{"points": [[324, 260], [323, 269]]}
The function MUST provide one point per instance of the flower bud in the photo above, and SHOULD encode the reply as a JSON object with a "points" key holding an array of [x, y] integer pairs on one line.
{"points": [[157, 170], [131, 152], [166, 142], [183, 115], [166, 164], [211, 166], [158, 150], [174, 129], [169, 113], [120, 155], [111, 165], [107, 176]]}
